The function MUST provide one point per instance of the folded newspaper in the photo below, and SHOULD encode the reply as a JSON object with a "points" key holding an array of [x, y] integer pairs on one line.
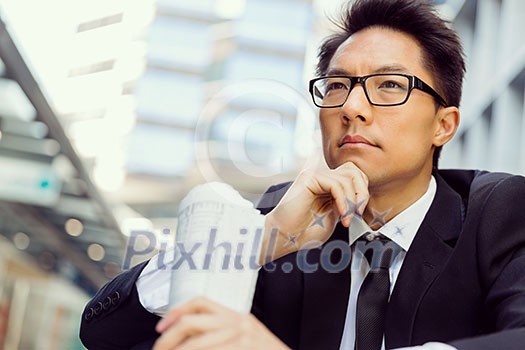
{"points": [[218, 242]]}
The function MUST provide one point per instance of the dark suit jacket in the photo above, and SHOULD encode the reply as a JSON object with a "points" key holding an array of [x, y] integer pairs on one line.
{"points": [[462, 281]]}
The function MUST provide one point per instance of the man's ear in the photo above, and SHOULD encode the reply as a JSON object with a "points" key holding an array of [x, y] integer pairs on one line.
{"points": [[447, 122]]}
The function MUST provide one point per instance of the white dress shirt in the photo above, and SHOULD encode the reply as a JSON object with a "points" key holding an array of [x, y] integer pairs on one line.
{"points": [[401, 230], [153, 284]]}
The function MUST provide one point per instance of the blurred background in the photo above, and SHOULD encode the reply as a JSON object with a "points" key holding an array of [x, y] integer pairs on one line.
{"points": [[110, 111]]}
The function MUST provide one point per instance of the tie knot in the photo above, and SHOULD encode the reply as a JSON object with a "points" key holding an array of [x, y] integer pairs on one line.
{"points": [[380, 252]]}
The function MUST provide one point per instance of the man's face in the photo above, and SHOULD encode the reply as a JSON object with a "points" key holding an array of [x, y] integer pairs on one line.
{"points": [[401, 138]]}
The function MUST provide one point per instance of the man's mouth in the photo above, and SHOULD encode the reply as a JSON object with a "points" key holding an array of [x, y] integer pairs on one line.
{"points": [[355, 141]]}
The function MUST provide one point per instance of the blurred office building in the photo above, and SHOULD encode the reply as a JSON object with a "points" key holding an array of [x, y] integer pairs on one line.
{"points": [[111, 111]]}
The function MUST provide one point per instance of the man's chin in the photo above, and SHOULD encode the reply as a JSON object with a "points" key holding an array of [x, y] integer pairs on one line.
{"points": [[357, 161]]}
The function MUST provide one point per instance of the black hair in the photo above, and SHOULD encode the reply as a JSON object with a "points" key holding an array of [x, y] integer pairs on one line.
{"points": [[442, 50]]}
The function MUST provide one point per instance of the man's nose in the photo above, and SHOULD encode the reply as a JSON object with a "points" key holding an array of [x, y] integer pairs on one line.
{"points": [[356, 106]]}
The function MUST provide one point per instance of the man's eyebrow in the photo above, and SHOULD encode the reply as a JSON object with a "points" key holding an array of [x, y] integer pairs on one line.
{"points": [[337, 71], [390, 68]]}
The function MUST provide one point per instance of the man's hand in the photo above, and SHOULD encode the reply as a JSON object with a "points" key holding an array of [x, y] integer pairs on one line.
{"points": [[203, 324], [312, 206]]}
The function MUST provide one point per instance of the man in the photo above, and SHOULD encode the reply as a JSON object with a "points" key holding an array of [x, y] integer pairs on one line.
{"points": [[389, 88]]}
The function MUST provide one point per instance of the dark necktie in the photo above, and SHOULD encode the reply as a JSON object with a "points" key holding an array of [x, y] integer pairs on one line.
{"points": [[372, 300]]}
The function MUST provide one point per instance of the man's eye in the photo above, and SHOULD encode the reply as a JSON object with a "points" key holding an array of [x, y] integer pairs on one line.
{"points": [[336, 86], [390, 84]]}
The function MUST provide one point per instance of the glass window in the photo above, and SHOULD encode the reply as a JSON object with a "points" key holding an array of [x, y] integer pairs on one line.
{"points": [[179, 42], [169, 98], [159, 150]]}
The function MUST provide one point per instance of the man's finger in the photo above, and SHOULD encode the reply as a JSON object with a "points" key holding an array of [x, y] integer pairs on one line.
{"points": [[194, 306], [186, 326], [360, 194], [210, 340]]}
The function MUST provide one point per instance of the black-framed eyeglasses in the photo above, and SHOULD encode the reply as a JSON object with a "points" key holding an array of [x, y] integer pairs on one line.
{"points": [[390, 89]]}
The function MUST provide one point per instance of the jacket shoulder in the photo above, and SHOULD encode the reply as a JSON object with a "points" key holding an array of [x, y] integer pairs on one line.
{"points": [[476, 186]]}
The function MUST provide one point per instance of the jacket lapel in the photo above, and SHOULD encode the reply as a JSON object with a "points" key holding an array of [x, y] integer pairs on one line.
{"points": [[325, 298], [424, 261]]}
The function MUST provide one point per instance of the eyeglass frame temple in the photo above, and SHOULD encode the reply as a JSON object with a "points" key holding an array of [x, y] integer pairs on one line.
{"points": [[421, 85]]}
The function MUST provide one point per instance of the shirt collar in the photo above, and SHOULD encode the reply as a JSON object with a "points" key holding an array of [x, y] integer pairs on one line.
{"points": [[403, 227]]}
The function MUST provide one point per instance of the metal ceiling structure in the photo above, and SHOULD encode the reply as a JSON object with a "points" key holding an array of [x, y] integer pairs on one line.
{"points": [[35, 221]]}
